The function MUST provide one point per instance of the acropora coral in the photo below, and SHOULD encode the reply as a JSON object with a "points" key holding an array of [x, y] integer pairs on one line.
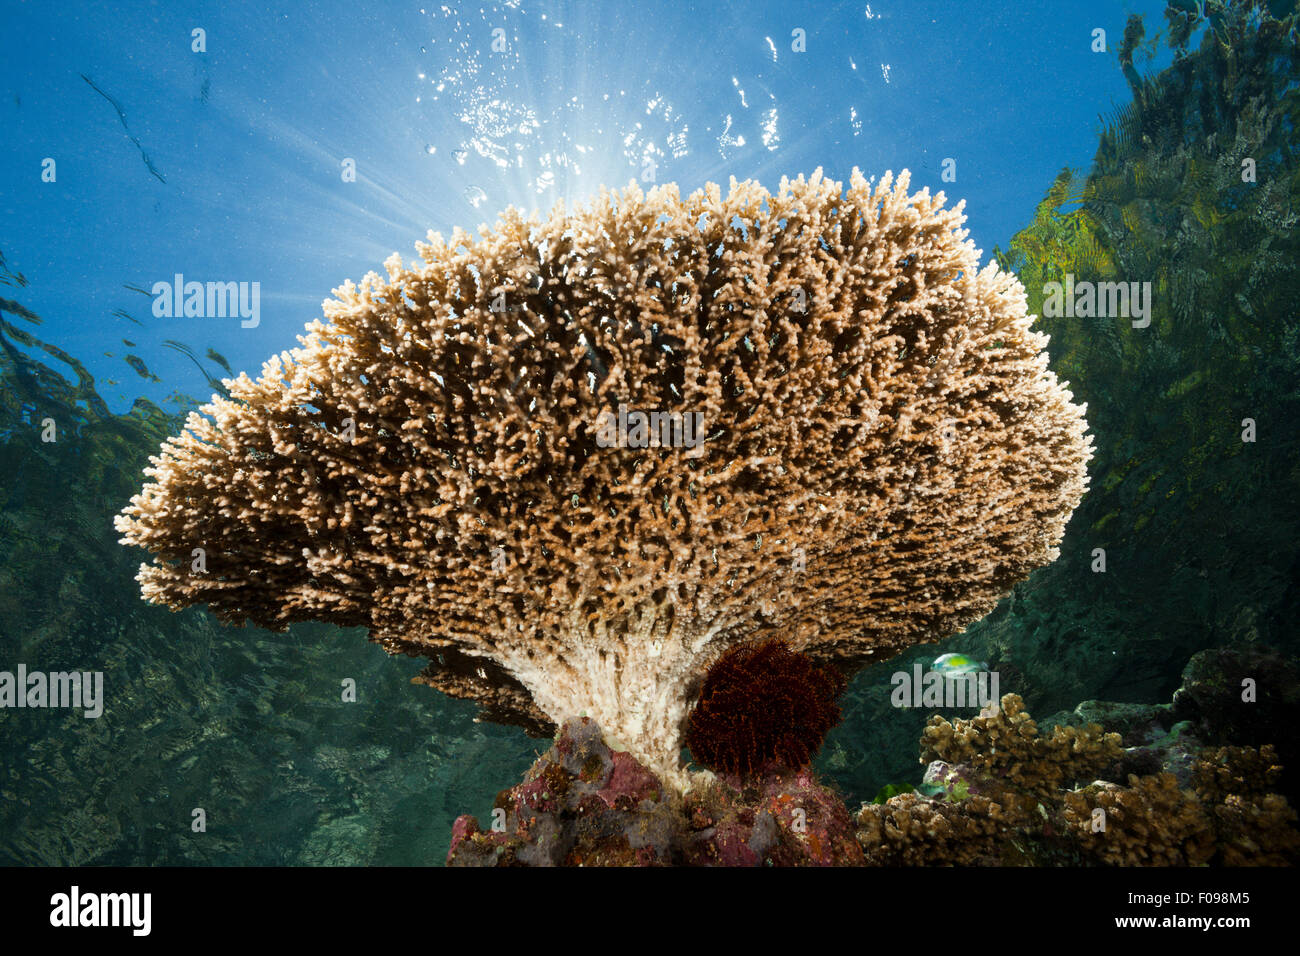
{"points": [[883, 451], [762, 706], [1254, 823], [912, 830]]}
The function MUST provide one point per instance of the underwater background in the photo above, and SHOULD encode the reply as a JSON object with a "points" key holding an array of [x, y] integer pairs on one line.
{"points": [[224, 163]]}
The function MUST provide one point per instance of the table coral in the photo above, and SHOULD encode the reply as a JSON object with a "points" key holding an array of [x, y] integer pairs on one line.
{"points": [[884, 451]]}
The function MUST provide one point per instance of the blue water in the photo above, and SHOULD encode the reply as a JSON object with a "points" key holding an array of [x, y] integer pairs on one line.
{"points": [[231, 163], [251, 134]]}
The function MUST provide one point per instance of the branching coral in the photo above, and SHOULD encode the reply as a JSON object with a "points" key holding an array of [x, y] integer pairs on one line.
{"points": [[910, 830], [1256, 826], [1004, 802], [884, 451], [1231, 815], [1258, 832], [1149, 823], [763, 705], [1244, 771], [1005, 745]]}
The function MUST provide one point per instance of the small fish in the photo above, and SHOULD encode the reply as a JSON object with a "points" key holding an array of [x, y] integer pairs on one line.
{"points": [[121, 115], [123, 314], [128, 343], [136, 288], [215, 356], [140, 368], [189, 354], [957, 664]]}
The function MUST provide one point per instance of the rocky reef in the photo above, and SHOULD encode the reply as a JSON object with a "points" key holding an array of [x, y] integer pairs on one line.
{"points": [[584, 803], [998, 791]]}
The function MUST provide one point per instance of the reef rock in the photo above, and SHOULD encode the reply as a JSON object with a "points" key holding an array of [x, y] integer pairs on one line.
{"points": [[1244, 695], [584, 803]]}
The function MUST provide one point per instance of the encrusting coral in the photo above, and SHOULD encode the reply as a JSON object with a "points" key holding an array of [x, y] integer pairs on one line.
{"points": [[879, 451]]}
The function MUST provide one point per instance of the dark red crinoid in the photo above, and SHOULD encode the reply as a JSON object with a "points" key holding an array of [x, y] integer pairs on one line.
{"points": [[763, 706]]}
